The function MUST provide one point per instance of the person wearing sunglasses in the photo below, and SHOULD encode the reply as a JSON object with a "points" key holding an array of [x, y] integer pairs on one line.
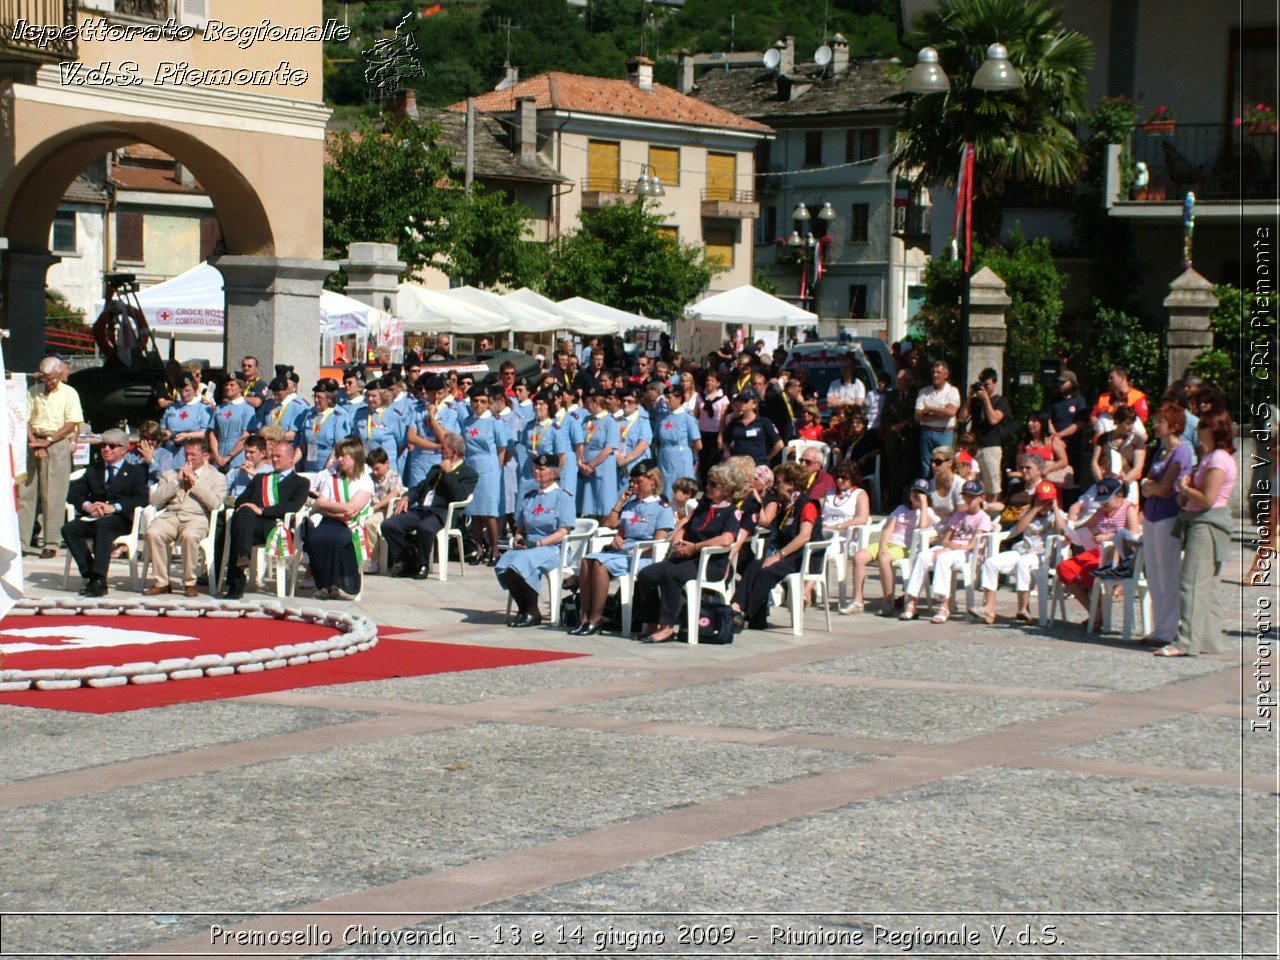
{"points": [[945, 489], [105, 498]]}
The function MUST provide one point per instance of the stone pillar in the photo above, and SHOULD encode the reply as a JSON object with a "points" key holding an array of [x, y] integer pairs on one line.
{"points": [[273, 312], [24, 307], [1190, 301], [988, 329], [373, 274]]}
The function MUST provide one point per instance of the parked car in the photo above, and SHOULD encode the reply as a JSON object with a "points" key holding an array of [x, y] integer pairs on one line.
{"points": [[821, 361]]}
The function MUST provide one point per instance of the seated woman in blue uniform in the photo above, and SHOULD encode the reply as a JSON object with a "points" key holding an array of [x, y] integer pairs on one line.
{"points": [[799, 522], [639, 514], [544, 517], [660, 586]]}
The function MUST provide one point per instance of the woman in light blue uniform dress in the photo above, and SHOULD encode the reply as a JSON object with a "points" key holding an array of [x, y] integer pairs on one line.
{"points": [[188, 419], [436, 402], [569, 424], [486, 443], [639, 514], [544, 517], [636, 434], [540, 436], [323, 426], [598, 471], [513, 427], [232, 421], [380, 426], [285, 410], [678, 440]]}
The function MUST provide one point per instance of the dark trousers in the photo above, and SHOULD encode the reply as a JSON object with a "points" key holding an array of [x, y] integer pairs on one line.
{"points": [[247, 531], [102, 532], [755, 582], [660, 589], [411, 535]]}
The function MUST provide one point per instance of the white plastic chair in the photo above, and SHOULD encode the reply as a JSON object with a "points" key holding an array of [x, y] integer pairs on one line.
{"points": [[1134, 589], [796, 581], [260, 563], [988, 546], [863, 536], [796, 448], [204, 550], [871, 480], [1049, 594], [141, 518], [450, 532], [572, 549], [627, 582], [921, 539], [693, 589]]}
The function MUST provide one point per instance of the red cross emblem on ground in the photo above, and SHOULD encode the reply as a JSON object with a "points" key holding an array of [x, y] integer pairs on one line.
{"points": [[182, 415], [474, 431], [539, 509]]}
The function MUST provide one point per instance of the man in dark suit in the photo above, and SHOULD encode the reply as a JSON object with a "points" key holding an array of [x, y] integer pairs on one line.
{"points": [[105, 498], [420, 514], [266, 499]]}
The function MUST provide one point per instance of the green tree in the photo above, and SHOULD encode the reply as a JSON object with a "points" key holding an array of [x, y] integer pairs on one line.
{"points": [[399, 186], [1118, 339], [1026, 136], [621, 257], [1034, 285]]}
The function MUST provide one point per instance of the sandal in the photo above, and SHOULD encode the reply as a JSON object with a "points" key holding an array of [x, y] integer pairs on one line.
{"points": [[979, 614], [1169, 650], [942, 616], [908, 612], [1022, 616]]}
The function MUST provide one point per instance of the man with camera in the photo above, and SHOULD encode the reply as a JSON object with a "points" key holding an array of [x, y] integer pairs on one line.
{"points": [[990, 421]]}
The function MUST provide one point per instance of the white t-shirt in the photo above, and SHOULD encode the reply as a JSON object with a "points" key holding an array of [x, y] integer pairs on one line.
{"points": [[931, 399], [906, 521], [841, 392]]}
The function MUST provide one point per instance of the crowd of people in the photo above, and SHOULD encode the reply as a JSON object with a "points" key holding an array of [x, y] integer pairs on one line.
{"points": [[674, 458]]}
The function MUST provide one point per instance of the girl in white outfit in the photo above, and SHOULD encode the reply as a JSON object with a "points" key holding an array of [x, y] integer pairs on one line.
{"points": [[961, 537]]}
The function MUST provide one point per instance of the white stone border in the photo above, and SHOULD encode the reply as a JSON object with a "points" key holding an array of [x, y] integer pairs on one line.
{"points": [[356, 634]]}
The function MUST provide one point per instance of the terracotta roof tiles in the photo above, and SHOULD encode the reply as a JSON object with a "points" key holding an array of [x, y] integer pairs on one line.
{"points": [[614, 98]]}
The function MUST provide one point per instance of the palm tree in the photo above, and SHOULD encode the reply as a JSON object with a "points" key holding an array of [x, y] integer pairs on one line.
{"points": [[1026, 135]]}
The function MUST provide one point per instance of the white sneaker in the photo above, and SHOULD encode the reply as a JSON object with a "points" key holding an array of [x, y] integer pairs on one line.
{"points": [[851, 606]]}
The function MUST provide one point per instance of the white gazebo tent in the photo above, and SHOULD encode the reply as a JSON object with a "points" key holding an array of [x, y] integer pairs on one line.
{"points": [[750, 306], [430, 311], [192, 305], [524, 317], [626, 321], [570, 319]]}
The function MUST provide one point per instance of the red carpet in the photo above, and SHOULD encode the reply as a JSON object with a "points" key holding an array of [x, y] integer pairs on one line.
{"points": [[390, 658]]}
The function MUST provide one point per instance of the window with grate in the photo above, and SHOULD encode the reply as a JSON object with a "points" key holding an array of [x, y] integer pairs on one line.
{"points": [[129, 239]]}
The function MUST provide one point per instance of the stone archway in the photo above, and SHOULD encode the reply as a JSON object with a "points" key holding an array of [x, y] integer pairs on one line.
{"points": [[266, 189]]}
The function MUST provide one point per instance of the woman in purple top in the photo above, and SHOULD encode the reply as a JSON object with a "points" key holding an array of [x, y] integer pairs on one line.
{"points": [[1205, 528], [1162, 551]]}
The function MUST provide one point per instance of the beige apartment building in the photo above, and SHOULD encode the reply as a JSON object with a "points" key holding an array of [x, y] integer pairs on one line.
{"points": [[604, 135], [231, 90]]}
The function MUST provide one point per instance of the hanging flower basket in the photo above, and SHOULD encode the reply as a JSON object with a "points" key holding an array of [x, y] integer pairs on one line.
{"points": [[1159, 127], [1264, 128]]}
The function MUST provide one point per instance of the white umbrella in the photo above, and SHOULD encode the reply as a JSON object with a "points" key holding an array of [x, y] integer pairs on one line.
{"points": [[625, 321], [429, 311], [571, 319]]}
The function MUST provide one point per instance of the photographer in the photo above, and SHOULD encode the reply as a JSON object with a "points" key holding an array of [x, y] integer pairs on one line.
{"points": [[990, 419]]}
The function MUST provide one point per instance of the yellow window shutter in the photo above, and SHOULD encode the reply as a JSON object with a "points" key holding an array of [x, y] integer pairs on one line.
{"points": [[722, 176]]}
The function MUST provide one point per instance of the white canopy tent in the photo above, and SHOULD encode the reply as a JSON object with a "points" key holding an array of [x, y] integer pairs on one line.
{"points": [[750, 306], [625, 321], [430, 311], [524, 317], [570, 319]]}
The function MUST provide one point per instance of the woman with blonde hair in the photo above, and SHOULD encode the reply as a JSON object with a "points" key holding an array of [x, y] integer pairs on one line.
{"points": [[660, 586], [334, 537]]}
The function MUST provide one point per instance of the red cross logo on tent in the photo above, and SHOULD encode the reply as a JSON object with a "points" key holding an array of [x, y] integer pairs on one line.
{"points": [[164, 316]]}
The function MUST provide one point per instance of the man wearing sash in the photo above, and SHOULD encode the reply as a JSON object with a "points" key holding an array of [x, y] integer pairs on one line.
{"points": [[260, 512]]}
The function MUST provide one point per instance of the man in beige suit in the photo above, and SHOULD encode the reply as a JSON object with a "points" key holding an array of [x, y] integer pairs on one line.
{"points": [[187, 497]]}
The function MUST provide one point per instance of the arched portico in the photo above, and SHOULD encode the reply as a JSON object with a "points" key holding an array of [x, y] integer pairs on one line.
{"points": [[262, 167]]}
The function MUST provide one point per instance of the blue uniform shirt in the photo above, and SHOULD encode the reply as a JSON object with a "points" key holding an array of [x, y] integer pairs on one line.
{"points": [[232, 419]]}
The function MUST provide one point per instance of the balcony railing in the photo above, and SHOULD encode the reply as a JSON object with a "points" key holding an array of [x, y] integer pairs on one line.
{"points": [[729, 195], [1216, 161], [608, 185], [45, 35]]}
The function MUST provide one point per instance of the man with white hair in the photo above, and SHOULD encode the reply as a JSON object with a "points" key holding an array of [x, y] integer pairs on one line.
{"points": [[54, 416]]}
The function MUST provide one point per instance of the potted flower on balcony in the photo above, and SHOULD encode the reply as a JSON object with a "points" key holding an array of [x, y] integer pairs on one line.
{"points": [[1162, 121], [1259, 120]]}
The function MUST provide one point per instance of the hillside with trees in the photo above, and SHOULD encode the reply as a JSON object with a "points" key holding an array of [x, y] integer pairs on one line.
{"points": [[462, 45]]}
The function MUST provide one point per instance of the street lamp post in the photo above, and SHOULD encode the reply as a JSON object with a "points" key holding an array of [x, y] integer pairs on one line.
{"points": [[808, 246], [993, 75]]}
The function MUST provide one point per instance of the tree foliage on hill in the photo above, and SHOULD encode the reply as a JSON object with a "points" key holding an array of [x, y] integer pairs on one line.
{"points": [[621, 257], [1026, 136], [463, 47], [399, 186]]}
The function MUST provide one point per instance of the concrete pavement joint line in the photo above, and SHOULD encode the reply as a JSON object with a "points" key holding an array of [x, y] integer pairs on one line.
{"points": [[929, 686], [1227, 779], [471, 886]]}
